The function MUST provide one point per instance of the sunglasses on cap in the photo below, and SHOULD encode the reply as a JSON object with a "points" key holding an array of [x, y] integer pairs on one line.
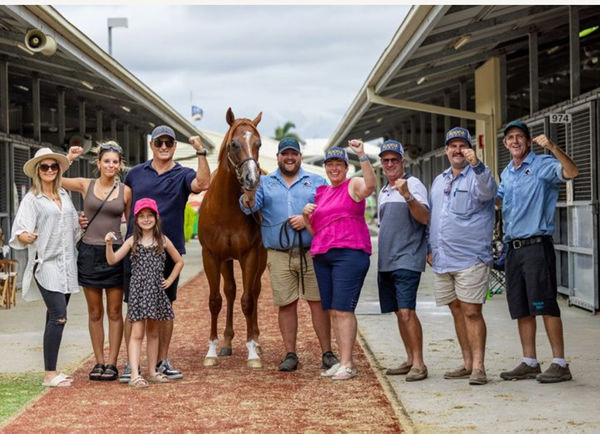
{"points": [[49, 167], [168, 143], [111, 147]]}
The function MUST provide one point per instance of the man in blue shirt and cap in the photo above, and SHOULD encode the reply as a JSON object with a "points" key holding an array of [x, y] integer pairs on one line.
{"points": [[280, 198], [460, 236], [528, 194]]}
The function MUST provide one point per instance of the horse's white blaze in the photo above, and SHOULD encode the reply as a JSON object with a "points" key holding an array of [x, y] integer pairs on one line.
{"points": [[252, 354], [253, 173], [212, 348]]}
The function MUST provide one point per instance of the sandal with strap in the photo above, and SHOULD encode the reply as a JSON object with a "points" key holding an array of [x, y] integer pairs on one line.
{"points": [[138, 382], [159, 378], [96, 372], [110, 373]]}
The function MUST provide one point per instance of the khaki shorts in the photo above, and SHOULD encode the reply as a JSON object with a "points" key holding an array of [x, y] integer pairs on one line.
{"points": [[285, 277], [469, 285]]}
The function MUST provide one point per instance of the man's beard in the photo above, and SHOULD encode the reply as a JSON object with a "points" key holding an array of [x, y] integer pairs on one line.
{"points": [[286, 172]]}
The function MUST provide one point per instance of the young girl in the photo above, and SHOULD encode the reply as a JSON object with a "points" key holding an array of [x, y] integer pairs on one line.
{"points": [[148, 302]]}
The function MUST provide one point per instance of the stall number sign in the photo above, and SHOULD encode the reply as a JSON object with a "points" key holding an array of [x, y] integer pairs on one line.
{"points": [[560, 118]]}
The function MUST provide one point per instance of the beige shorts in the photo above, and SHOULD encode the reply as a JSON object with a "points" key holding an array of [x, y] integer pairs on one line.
{"points": [[285, 277], [469, 285]]}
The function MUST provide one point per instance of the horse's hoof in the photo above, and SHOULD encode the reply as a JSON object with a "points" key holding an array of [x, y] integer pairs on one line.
{"points": [[211, 361], [225, 352], [259, 350], [254, 363]]}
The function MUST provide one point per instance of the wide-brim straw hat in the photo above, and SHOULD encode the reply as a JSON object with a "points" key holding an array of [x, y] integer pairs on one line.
{"points": [[43, 154]]}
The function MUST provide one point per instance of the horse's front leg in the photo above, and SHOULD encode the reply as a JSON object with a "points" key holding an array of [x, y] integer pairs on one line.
{"points": [[211, 269], [229, 289], [249, 301]]}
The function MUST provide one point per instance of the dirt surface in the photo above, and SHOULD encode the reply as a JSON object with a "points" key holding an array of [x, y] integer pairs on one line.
{"points": [[226, 398]]}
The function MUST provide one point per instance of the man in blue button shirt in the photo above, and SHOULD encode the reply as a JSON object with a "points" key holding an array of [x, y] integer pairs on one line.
{"points": [[528, 194], [460, 237], [280, 199]]}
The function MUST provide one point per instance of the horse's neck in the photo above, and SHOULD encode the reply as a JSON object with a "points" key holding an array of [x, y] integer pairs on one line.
{"points": [[226, 180]]}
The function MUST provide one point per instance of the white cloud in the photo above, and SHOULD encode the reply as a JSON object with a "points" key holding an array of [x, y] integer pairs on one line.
{"points": [[303, 64]]}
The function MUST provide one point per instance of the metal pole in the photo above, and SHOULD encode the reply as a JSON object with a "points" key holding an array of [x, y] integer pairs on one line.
{"points": [[109, 40]]}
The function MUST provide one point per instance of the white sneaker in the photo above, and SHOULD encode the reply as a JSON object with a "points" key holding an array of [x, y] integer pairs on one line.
{"points": [[331, 371]]}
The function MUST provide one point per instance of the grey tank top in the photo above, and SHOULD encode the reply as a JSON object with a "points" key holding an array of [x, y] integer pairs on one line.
{"points": [[107, 220]]}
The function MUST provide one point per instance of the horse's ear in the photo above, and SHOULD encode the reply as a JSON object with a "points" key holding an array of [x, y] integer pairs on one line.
{"points": [[257, 119], [230, 116]]}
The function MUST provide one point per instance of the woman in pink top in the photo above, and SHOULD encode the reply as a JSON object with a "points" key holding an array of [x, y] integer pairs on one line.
{"points": [[341, 247]]}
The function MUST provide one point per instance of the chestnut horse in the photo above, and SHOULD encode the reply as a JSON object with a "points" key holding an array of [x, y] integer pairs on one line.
{"points": [[227, 234]]}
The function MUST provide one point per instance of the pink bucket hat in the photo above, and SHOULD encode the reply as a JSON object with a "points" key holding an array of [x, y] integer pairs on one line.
{"points": [[144, 203]]}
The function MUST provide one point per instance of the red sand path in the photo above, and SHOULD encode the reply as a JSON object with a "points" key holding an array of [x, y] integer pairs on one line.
{"points": [[226, 398]]}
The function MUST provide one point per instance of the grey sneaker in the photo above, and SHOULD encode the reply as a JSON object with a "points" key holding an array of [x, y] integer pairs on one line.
{"points": [[290, 363], [555, 374], [328, 360], [126, 375], [521, 372], [165, 367]]}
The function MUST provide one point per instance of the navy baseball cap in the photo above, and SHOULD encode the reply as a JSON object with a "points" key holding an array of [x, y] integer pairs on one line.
{"points": [[520, 125], [459, 133], [336, 152], [163, 130], [393, 146], [289, 143]]}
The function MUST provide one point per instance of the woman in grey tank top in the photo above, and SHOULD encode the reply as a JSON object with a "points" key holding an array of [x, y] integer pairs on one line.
{"points": [[94, 274]]}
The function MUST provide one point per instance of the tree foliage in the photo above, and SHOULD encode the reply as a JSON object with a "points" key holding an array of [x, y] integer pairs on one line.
{"points": [[285, 131]]}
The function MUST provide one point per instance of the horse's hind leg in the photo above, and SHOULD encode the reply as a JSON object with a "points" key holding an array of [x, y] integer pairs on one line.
{"points": [[229, 289], [211, 269]]}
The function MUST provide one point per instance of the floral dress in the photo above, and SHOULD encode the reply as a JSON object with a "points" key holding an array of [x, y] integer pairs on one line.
{"points": [[147, 300]]}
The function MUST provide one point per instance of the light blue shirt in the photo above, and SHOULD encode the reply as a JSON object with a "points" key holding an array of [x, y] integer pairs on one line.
{"points": [[462, 218], [277, 202], [529, 196]]}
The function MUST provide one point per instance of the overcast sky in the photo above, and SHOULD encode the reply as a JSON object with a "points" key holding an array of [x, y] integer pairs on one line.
{"points": [[303, 64]]}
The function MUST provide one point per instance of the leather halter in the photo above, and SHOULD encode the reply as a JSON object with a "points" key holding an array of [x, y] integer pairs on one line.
{"points": [[237, 168]]}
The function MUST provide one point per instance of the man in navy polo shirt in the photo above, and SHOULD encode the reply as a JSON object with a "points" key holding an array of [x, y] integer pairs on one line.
{"points": [[169, 184], [528, 194]]}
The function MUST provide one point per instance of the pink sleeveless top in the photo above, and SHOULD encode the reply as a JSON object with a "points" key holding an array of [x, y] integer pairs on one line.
{"points": [[338, 221]]}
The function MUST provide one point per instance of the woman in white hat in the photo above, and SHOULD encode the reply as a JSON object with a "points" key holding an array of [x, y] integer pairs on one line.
{"points": [[105, 200], [46, 224]]}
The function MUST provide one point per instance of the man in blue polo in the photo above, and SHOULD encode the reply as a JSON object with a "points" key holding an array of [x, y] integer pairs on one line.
{"points": [[403, 216], [528, 194], [280, 199], [170, 185], [460, 236]]}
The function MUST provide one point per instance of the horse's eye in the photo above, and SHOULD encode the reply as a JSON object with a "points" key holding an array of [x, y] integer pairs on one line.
{"points": [[235, 144], [259, 144]]}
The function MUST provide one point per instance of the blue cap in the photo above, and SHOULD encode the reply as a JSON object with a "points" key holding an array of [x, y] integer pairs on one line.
{"points": [[163, 130], [336, 152], [394, 146], [289, 143], [520, 125], [459, 133]]}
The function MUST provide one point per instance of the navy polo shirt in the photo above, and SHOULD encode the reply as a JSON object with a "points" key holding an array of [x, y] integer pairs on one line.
{"points": [[170, 190]]}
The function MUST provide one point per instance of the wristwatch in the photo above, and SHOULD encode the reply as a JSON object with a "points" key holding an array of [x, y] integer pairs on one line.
{"points": [[201, 153], [410, 198]]}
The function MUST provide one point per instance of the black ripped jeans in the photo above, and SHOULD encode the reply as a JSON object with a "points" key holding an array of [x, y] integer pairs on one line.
{"points": [[56, 318]]}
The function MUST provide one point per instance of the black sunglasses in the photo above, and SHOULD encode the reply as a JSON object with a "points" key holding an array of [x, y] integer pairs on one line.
{"points": [[111, 147], [168, 143], [47, 167]]}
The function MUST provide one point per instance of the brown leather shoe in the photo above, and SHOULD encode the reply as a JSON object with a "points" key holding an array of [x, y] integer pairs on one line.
{"points": [[478, 377], [403, 369], [416, 374], [458, 373]]}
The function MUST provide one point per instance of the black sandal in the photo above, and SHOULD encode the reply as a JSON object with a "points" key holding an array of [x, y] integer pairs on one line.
{"points": [[96, 372], [110, 373]]}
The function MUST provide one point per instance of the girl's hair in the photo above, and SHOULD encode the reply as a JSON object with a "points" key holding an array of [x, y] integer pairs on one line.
{"points": [[36, 181], [157, 234]]}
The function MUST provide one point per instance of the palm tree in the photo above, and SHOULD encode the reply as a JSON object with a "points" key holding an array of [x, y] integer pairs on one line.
{"points": [[281, 132]]}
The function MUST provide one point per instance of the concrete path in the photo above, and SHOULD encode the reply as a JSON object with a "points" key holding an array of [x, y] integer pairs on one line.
{"points": [[434, 405]]}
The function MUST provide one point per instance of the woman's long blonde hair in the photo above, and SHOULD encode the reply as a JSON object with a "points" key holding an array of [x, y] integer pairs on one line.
{"points": [[36, 181]]}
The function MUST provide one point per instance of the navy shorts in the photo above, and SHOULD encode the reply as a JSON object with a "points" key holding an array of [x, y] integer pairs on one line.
{"points": [[398, 289], [531, 287], [340, 274], [169, 265]]}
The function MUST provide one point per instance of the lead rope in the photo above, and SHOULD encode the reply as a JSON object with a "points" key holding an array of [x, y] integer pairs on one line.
{"points": [[283, 234]]}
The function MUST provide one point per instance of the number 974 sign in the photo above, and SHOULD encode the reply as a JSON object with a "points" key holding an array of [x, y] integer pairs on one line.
{"points": [[560, 118]]}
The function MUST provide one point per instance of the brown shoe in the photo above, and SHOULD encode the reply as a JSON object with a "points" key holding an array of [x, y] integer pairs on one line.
{"points": [[403, 369], [477, 378], [461, 372], [555, 374], [521, 372], [416, 374]]}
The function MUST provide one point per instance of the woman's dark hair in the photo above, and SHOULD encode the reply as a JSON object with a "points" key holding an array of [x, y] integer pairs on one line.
{"points": [[157, 234]]}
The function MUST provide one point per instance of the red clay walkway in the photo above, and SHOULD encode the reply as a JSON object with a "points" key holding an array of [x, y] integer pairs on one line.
{"points": [[226, 398]]}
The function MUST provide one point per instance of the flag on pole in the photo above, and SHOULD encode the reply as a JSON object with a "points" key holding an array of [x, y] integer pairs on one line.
{"points": [[197, 113]]}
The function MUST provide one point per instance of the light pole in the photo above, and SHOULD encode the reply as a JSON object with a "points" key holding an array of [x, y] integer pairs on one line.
{"points": [[114, 22]]}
